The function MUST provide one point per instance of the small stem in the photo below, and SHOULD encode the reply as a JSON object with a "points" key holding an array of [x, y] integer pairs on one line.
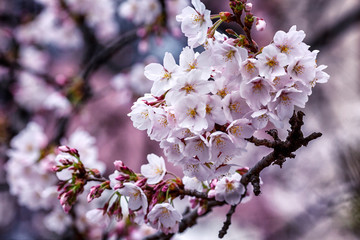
{"points": [[97, 179], [214, 16]]}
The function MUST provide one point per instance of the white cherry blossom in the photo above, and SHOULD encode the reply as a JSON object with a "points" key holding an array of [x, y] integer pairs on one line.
{"points": [[137, 198], [271, 63], [155, 170], [165, 217], [162, 75], [173, 149], [189, 84], [229, 189], [256, 92], [285, 100], [190, 113], [195, 23], [197, 147], [240, 129]]}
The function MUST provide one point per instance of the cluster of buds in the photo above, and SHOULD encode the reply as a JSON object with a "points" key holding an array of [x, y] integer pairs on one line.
{"points": [[73, 177]]}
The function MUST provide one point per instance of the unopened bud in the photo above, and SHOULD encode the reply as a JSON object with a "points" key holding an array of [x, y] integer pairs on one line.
{"points": [[225, 16], [141, 182], [231, 32], [118, 164], [242, 171], [165, 188], [65, 161], [211, 193], [55, 168], [95, 172], [213, 183], [260, 24], [64, 149], [248, 7], [201, 210]]}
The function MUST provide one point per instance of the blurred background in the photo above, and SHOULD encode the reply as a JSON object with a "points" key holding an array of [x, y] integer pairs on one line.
{"points": [[78, 65]]}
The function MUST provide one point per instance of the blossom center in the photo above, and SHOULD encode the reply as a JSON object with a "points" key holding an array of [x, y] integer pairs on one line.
{"points": [[192, 112], [272, 62], [249, 67], [188, 88], [298, 69]]}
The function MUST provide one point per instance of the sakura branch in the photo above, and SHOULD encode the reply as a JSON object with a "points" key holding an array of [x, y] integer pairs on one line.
{"points": [[203, 111]]}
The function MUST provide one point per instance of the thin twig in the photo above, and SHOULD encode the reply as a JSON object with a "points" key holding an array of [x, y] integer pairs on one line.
{"points": [[227, 223]]}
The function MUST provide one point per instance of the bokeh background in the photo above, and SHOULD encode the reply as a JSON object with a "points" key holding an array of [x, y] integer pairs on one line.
{"points": [[314, 196]]}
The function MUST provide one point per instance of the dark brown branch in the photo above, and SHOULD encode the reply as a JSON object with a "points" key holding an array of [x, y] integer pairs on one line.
{"points": [[90, 40], [227, 223], [15, 65], [193, 193], [330, 33], [282, 150], [107, 53]]}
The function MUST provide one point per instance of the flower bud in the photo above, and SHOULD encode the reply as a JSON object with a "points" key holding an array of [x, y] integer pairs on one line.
{"points": [[225, 16], [95, 172], [248, 7], [141, 182], [64, 149], [260, 24], [118, 164]]}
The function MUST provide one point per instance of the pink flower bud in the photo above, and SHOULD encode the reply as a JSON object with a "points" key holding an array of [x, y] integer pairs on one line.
{"points": [[122, 178], [61, 79], [248, 7], [260, 24], [95, 192], [193, 202], [213, 183], [211, 193], [74, 152], [96, 172], [64, 149], [141, 32], [55, 168], [65, 161], [118, 164], [141, 182], [201, 210], [165, 188]]}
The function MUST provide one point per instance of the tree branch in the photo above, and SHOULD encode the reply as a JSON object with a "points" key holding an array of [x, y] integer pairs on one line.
{"points": [[107, 53], [227, 223], [282, 150], [330, 33]]}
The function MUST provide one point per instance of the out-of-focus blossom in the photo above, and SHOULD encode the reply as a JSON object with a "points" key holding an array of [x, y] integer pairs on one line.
{"points": [[165, 217]]}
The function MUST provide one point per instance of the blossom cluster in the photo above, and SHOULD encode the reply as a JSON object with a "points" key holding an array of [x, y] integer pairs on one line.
{"points": [[31, 177], [148, 195], [134, 10], [53, 25], [203, 109]]}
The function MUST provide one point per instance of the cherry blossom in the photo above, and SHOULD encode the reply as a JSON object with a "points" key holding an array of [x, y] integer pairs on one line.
{"points": [[195, 23], [155, 170], [229, 189], [165, 217], [137, 198]]}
